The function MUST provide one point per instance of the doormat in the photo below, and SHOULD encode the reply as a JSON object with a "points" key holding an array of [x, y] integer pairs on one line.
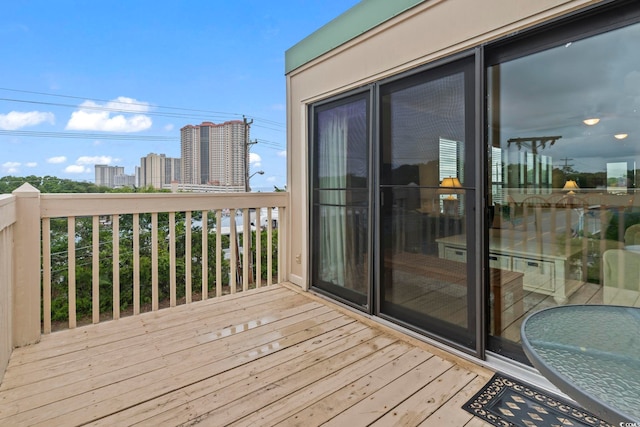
{"points": [[506, 402]]}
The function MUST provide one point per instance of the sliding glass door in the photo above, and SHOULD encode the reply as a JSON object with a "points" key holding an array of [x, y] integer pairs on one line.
{"points": [[340, 198], [427, 195], [563, 172]]}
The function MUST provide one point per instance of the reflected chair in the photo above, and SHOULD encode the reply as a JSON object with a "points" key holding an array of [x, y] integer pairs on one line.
{"points": [[621, 277], [632, 235]]}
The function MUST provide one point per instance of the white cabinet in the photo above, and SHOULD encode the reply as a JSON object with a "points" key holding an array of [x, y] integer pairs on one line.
{"points": [[544, 271], [539, 276], [502, 262], [455, 254]]}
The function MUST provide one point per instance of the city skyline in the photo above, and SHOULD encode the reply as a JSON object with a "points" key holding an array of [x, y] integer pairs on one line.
{"points": [[108, 83]]}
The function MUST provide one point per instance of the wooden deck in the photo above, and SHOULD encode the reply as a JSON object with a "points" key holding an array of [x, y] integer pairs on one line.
{"points": [[272, 356]]}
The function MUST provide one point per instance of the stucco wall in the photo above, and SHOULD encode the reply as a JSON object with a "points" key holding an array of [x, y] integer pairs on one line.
{"points": [[431, 30]]}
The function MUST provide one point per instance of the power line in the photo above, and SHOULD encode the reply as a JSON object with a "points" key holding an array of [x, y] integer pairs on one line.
{"points": [[84, 135], [267, 142], [114, 110], [106, 100], [208, 112]]}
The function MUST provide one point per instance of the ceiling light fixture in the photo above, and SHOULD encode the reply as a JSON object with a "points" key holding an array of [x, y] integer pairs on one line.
{"points": [[591, 121], [620, 135]]}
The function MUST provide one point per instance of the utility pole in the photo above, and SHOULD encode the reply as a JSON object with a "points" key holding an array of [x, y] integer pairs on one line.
{"points": [[567, 167], [247, 124], [248, 244]]}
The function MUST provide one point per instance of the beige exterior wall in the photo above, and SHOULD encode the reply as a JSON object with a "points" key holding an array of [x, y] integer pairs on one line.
{"points": [[431, 30]]}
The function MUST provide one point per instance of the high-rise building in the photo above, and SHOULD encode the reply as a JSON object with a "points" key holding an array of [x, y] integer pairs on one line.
{"points": [[157, 170], [105, 174], [215, 154], [190, 154]]}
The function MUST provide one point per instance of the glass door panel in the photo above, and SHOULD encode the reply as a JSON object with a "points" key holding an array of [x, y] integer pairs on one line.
{"points": [[426, 209], [563, 174], [340, 199]]}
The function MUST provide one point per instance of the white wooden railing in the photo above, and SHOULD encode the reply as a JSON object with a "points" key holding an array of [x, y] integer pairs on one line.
{"points": [[7, 225], [167, 222]]}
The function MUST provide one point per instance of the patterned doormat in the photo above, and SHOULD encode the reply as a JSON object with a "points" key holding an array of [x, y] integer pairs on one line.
{"points": [[506, 402]]}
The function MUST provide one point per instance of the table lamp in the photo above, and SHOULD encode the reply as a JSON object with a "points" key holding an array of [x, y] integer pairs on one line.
{"points": [[570, 185], [450, 186]]}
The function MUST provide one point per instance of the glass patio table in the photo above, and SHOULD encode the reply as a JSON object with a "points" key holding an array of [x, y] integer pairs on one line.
{"points": [[591, 353]]}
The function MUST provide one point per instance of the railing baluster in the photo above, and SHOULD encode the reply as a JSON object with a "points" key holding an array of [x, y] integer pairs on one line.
{"points": [[115, 220], [172, 259], [246, 249], [205, 255], [281, 236], [136, 263], [258, 276], [187, 257], [71, 259], [46, 275], [218, 252], [233, 243], [269, 246], [95, 270], [154, 261]]}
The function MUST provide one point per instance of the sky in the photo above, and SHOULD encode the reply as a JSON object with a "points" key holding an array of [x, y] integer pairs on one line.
{"points": [[108, 82]]}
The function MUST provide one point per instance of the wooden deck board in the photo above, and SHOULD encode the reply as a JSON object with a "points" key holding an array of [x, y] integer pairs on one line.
{"points": [[172, 339], [271, 356], [451, 413]]}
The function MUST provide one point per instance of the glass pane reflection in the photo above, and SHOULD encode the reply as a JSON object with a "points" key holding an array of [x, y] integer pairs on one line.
{"points": [[564, 135], [422, 281], [426, 180]]}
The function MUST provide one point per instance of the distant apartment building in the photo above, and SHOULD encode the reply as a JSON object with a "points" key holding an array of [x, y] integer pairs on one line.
{"points": [[124, 180], [156, 170], [215, 154], [137, 174], [112, 176]]}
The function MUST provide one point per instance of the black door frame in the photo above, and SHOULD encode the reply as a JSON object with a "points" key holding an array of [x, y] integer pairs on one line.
{"points": [[476, 217]]}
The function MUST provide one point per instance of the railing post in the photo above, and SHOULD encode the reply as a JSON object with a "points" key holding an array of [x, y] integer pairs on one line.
{"points": [[26, 280]]}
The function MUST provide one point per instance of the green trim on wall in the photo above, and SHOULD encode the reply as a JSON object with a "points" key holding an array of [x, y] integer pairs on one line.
{"points": [[359, 19]]}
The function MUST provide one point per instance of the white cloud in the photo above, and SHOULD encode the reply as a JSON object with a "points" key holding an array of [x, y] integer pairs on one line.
{"points": [[272, 179], [282, 153], [16, 119], [255, 160], [95, 160], [168, 127], [129, 104], [77, 169], [10, 167], [93, 116], [31, 164], [57, 159]]}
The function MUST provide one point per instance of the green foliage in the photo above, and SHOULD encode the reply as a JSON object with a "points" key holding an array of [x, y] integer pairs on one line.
{"points": [[263, 252], [52, 184], [49, 184]]}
